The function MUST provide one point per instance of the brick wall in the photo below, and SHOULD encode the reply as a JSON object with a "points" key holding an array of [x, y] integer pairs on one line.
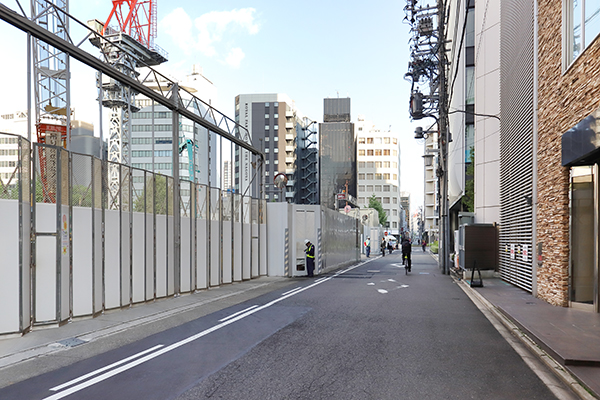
{"points": [[563, 101]]}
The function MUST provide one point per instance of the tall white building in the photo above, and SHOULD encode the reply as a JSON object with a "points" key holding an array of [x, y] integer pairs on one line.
{"points": [[152, 135], [379, 171]]}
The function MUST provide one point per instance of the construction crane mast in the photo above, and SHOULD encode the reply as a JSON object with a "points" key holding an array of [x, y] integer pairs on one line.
{"points": [[51, 71], [51, 88], [126, 47]]}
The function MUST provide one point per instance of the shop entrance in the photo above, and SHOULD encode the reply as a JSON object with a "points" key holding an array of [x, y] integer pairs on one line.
{"points": [[583, 277]]}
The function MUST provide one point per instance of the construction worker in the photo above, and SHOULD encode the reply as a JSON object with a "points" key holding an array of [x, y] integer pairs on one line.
{"points": [[310, 257]]}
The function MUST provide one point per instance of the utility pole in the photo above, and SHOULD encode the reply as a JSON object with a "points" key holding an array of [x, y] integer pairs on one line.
{"points": [[427, 71], [443, 140]]}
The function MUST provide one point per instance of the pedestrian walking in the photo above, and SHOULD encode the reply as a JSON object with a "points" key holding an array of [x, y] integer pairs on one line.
{"points": [[383, 246], [310, 257], [390, 247], [423, 244], [368, 246]]}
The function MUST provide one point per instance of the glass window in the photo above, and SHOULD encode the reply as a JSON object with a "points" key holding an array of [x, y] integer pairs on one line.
{"points": [[276, 127], [361, 140], [582, 25], [386, 200], [395, 152], [386, 152], [378, 189], [361, 176], [370, 176], [378, 152], [386, 188], [378, 164], [395, 141], [276, 139], [377, 140], [362, 164], [378, 176], [361, 152], [266, 116], [386, 176], [266, 127], [369, 152], [369, 140], [361, 188], [276, 116], [592, 21], [470, 85], [386, 164], [370, 164], [395, 177], [386, 140], [369, 188]]}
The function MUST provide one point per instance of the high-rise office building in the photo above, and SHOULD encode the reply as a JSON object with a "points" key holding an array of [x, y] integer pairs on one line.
{"points": [[337, 161], [152, 135], [278, 129]]}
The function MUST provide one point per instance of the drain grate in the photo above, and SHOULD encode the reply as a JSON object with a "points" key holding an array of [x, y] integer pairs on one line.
{"points": [[72, 342]]}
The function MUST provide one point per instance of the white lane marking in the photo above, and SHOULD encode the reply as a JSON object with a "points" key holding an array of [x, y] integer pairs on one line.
{"points": [[373, 270], [319, 280], [96, 372], [370, 284], [423, 273], [382, 291], [293, 290], [391, 280], [237, 313], [174, 346], [403, 286]]}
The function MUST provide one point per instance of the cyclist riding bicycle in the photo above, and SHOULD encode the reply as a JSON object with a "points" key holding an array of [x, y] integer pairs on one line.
{"points": [[406, 249]]}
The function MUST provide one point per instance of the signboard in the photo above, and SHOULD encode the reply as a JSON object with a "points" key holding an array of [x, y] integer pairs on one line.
{"points": [[341, 196], [347, 209]]}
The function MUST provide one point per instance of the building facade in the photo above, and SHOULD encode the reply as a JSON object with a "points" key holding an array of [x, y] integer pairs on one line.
{"points": [[152, 136], [337, 147], [379, 172], [277, 127], [568, 153]]}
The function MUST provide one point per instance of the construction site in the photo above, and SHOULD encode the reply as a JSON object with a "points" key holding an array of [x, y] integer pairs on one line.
{"points": [[142, 213]]}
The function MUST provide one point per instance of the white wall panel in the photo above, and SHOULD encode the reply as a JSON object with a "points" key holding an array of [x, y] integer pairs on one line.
{"points": [[202, 254], [138, 258], [247, 254], [45, 278], [149, 232], [9, 267], [227, 252], [215, 253], [186, 248], [82, 262], [237, 251], [98, 266], [263, 249], [170, 256], [161, 255], [112, 260], [125, 258]]}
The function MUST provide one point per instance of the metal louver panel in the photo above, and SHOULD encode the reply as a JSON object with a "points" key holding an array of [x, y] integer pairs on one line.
{"points": [[516, 142]]}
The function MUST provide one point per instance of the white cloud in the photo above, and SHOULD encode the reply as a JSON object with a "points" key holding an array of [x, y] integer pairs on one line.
{"points": [[235, 57], [211, 30], [178, 25]]}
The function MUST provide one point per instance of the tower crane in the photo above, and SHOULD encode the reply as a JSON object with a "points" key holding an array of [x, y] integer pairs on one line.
{"points": [[51, 88], [126, 47]]}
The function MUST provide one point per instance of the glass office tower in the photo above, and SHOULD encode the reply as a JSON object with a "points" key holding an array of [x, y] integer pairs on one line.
{"points": [[337, 144]]}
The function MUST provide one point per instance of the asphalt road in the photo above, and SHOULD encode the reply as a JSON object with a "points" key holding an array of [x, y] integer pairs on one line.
{"points": [[369, 332]]}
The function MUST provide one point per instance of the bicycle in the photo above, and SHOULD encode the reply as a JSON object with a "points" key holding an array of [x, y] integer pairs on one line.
{"points": [[406, 262]]}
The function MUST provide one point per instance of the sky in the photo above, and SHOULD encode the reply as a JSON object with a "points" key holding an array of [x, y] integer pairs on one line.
{"points": [[309, 50]]}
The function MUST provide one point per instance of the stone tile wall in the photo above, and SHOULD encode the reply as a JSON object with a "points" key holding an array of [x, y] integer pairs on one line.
{"points": [[564, 99]]}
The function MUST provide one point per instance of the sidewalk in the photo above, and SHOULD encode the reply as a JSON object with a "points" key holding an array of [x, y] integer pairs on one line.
{"points": [[42, 341], [571, 337]]}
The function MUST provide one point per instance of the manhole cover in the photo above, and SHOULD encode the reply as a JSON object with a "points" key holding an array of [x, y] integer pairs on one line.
{"points": [[72, 342]]}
